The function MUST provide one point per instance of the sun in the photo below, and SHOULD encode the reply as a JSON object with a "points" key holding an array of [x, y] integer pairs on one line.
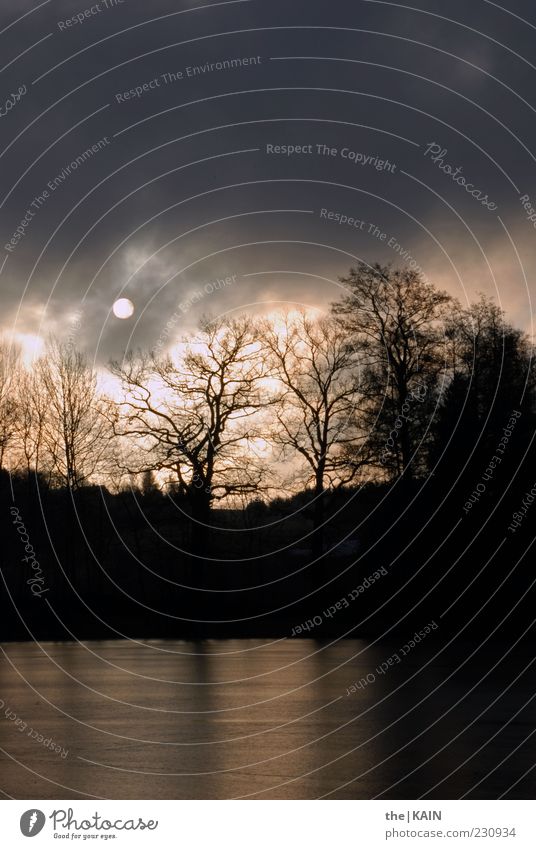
{"points": [[123, 308]]}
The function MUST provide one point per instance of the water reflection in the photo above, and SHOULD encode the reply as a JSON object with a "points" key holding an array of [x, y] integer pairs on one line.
{"points": [[263, 719]]}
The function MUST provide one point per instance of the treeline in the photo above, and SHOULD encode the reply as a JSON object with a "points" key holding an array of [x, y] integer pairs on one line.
{"points": [[266, 466]]}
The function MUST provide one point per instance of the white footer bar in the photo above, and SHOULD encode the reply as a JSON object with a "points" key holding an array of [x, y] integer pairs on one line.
{"points": [[269, 824]]}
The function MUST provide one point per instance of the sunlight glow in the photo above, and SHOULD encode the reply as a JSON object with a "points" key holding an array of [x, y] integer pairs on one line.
{"points": [[283, 319], [123, 308], [32, 347]]}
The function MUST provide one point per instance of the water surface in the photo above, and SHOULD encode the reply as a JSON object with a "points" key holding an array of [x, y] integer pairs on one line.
{"points": [[264, 719]]}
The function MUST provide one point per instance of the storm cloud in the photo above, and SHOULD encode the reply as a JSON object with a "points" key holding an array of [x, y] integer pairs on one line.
{"points": [[151, 150]]}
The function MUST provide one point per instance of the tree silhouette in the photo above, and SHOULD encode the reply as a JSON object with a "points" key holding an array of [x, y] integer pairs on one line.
{"points": [[9, 378], [490, 373], [276, 422], [394, 317], [193, 414], [32, 412], [75, 431], [317, 407]]}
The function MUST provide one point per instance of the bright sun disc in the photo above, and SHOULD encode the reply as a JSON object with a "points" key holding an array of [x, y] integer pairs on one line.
{"points": [[123, 308]]}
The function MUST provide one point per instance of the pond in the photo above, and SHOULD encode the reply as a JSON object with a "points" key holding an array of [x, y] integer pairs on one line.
{"points": [[283, 719]]}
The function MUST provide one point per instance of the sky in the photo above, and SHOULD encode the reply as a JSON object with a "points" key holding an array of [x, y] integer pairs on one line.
{"points": [[215, 158]]}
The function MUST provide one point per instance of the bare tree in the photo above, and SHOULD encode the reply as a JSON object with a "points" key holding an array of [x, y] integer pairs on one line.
{"points": [[9, 375], [395, 317], [75, 432], [32, 411], [485, 350], [193, 414], [319, 396], [491, 371]]}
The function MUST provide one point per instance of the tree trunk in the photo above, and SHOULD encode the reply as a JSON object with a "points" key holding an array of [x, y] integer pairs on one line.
{"points": [[317, 540], [200, 531], [406, 452]]}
